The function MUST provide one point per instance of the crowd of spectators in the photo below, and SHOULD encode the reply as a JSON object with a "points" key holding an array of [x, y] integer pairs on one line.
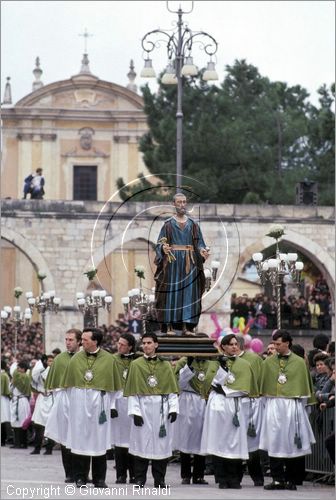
{"points": [[313, 312], [30, 343]]}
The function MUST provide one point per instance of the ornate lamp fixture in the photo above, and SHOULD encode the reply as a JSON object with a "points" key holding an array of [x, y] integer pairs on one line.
{"points": [[274, 270], [19, 317]]}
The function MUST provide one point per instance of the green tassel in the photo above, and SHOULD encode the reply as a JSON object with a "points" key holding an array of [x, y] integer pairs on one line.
{"points": [[298, 441], [251, 432], [235, 420], [162, 432], [102, 417]]}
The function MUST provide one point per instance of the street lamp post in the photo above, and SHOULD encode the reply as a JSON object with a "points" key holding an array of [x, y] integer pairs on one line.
{"points": [[89, 305], [274, 270], [180, 64], [19, 317]]}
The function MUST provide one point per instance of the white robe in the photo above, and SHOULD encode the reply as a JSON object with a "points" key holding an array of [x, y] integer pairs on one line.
{"points": [[19, 408], [85, 435], [56, 427], [253, 409], [280, 423], [187, 430], [44, 400], [5, 409], [121, 425], [145, 441], [220, 437]]}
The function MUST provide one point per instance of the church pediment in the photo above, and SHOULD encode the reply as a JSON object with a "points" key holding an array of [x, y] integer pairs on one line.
{"points": [[83, 94]]}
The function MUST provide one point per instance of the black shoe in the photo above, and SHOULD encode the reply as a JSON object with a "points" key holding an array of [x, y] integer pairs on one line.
{"points": [[139, 483], [100, 484], [132, 480], [69, 480], [275, 485], [14, 447], [290, 486], [121, 480], [48, 452], [186, 480], [160, 485], [235, 486], [80, 483], [223, 486], [35, 452], [200, 480]]}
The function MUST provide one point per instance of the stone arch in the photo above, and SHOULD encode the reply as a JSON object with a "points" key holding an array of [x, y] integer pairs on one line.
{"points": [[31, 252], [110, 245], [308, 247]]}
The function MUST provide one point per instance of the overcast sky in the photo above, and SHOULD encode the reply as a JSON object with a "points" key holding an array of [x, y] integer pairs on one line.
{"points": [[290, 41]]}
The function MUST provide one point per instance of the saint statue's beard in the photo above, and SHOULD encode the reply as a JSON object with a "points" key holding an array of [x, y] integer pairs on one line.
{"points": [[181, 211]]}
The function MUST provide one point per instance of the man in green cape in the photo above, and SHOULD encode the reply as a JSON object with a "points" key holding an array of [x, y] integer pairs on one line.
{"points": [[57, 424], [91, 388], [194, 382], [152, 392], [225, 428], [121, 420], [286, 432], [19, 405], [253, 408]]}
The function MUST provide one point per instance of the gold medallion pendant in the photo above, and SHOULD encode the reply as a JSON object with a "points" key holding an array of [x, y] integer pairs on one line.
{"points": [[88, 376], [201, 376], [231, 378], [152, 381], [125, 373], [282, 379]]}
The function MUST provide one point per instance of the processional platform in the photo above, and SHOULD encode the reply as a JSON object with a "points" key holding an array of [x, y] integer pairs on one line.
{"points": [[187, 345]]}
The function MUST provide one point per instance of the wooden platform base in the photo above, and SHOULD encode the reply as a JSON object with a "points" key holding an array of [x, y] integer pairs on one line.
{"points": [[197, 346]]}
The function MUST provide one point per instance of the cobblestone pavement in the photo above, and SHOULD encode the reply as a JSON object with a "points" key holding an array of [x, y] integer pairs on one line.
{"points": [[25, 476]]}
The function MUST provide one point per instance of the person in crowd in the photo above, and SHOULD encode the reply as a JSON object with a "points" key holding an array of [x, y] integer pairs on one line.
{"points": [[57, 424], [320, 344], [5, 403], [90, 388], [270, 350], [321, 372], [34, 185], [253, 408], [314, 311], [43, 403], [152, 392], [286, 433], [55, 352], [180, 253], [225, 428], [328, 388], [194, 379], [330, 403], [19, 404], [331, 349], [121, 420]]}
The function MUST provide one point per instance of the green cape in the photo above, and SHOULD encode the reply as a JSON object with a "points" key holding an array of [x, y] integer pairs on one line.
{"points": [[55, 377], [256, 363], [119, 365], [299, 383], [245, 378], [140, 370], [199, 365], [101, 367], [5, 384], [22, 382]]}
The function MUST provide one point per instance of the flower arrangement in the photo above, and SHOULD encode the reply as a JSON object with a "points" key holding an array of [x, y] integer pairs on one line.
{"points": [[171, 257], [17, 292], [41, 275], [140, 271], [91, 273], [276, 231]]}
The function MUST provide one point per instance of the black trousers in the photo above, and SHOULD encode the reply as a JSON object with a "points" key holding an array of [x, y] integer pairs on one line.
{"points": [[20, 437], [159, 468], [124, 462], [67, 462], [330, 446], [81, 467], [254, 467], [284, 469], [228, 470], [198, 466], [5, 432]]}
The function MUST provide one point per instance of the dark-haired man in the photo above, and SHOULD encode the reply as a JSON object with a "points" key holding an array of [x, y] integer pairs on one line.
{"points": [[57, 423], [152, 391], [121, 426], [91, 388], [286, 432]]}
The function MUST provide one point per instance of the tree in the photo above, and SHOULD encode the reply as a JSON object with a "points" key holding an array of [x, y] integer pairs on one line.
{"points": [[248, 141]]}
